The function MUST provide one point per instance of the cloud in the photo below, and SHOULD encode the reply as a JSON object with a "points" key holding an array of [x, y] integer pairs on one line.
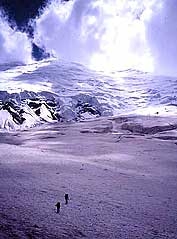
{"points": [[161, 33], [14, 45]]}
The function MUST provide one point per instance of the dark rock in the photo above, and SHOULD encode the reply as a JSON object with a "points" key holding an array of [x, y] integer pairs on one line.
{"points": [[51, 103], [38, 112], [39, 53], [14, 111], [86, 107], [34, 105]]}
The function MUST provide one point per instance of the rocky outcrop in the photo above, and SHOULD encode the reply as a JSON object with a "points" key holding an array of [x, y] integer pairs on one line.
{"points": [[27, 108]]}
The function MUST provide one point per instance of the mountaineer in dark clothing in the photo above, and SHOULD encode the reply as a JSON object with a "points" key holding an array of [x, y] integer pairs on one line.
{"points": [[66, 198], [58, 205]]}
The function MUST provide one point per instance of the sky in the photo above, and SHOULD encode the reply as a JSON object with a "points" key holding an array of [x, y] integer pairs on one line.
{"points": [[109, 34]]}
